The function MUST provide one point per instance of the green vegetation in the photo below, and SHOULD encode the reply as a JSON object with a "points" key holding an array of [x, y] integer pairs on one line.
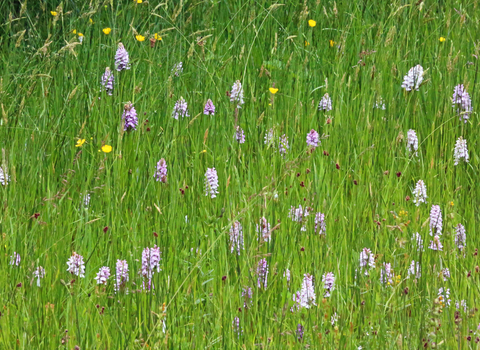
{"points": [[361, 176]]}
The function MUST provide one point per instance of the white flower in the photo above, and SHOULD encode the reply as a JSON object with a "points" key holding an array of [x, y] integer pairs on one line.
{"points": [[413, 79], [461, 151]]}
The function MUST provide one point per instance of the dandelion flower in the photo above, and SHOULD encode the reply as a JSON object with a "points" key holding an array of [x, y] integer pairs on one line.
{"points": [[412, 142], [103, 275], [39, 273], [80, 142], [121, 275], [209, 108], [180, 109], [312, 139], [236, 95], [312, 23], [211, 182], [236, 237], [420, 193], [413, 79], [121, 58], [140, 37], [161, 173], [107, 81], [106, 148], [461, 151], [273, 90], [76, 266], [106, 31], [328, 280], [325, 103], [129, 117]]}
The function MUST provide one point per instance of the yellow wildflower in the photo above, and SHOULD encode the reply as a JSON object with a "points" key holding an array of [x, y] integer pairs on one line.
{"points": [[90, 20], [307, 43], [451, 204], [80, 143], [273, 90], [140, 37], [80, 34], [204, 151], [331, 42], [74, 31], [312, 23], [139, 1], [442, 39], [107, 148], [54, 13], [157, 37], [107, 31]]}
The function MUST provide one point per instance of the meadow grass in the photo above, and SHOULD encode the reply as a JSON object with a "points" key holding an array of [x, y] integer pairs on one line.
{"points": [[359, 176]]}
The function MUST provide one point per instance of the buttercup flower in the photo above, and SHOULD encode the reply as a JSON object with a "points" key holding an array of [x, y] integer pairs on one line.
{"points": [[312, 23], [157, 37], [442, 39], [53, 13], [80, 142], [106, 148], [140, 37], [106, 31], [273, 90]]}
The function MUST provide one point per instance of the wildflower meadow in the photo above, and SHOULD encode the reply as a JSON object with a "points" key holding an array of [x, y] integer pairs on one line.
{"points": [[224, 174]]}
